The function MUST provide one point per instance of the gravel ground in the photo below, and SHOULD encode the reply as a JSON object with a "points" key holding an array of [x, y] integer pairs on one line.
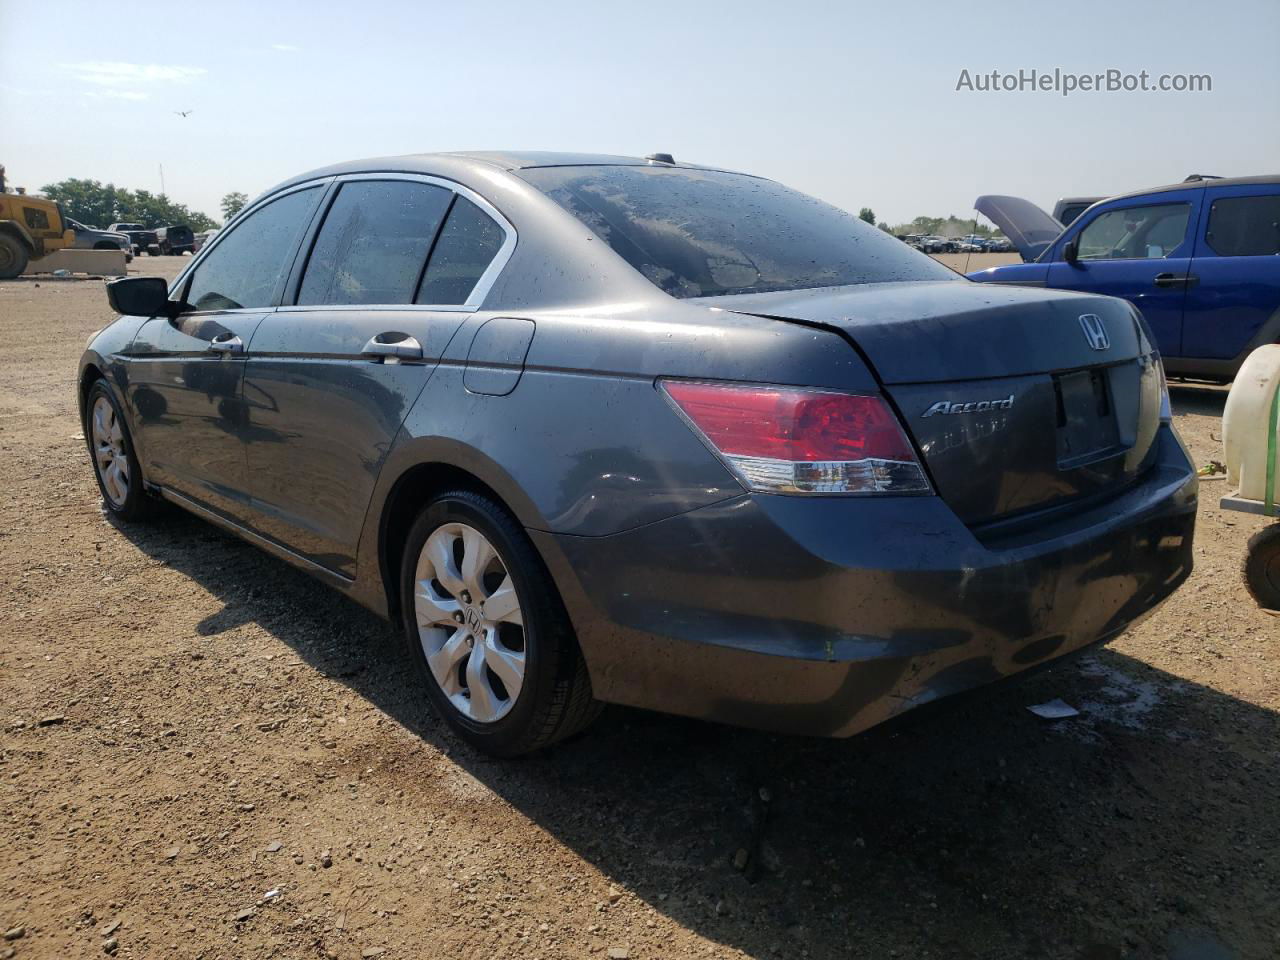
{"points": [[204, 753]]}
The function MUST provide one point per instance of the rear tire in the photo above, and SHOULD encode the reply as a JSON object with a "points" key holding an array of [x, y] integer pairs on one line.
{"points": [[13, 257], [461, 620], [1262, 567], [115, 465]]}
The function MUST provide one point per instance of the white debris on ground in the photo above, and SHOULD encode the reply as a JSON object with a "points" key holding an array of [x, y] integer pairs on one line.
{"points": [[1118, 700]]}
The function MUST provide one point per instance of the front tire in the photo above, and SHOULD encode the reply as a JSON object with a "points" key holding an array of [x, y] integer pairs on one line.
{"points": [[115, 465], [488, 631], [1262, 567], [13, 257]]}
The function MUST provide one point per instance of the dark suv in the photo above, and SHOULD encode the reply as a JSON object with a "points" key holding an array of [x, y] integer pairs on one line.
{"points": [[142, 238], [612, 429], [176, 240]]}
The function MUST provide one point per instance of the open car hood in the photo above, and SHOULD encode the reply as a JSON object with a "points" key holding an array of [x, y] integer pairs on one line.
{"points": [[1029, 228]]}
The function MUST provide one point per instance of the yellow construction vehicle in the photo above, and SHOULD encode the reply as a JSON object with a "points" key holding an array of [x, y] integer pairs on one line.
{"points": [[30, 228]]}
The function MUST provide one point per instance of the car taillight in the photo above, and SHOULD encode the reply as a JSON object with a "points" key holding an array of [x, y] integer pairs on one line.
{"points": [[796, 440]]}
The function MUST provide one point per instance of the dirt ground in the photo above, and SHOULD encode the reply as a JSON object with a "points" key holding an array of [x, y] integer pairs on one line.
{"points": [[204, 753]]}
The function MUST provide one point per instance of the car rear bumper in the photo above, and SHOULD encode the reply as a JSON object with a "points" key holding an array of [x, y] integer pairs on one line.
{"points": [[829, 615]]}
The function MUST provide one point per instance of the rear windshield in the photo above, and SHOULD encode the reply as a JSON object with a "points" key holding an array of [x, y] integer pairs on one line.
{"points": [[697, 233]]}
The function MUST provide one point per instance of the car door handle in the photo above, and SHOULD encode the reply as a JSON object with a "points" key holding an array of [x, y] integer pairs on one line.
{"points": [[1172, 280], [227, 343], [392, 344]]}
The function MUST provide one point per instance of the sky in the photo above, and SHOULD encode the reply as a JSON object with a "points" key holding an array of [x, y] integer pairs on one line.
{"points": [[853, 102]]}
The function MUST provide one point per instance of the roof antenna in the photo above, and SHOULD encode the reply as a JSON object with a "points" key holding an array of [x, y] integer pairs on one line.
{"points": [[660, 158], [972, 233]]}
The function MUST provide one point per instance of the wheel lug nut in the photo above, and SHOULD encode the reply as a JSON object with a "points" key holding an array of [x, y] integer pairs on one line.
{"points": [[457, 616], [466, 596]]}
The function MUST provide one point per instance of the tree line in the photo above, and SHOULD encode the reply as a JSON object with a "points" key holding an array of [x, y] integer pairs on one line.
{"points": [[97, 204], [949, 226]]}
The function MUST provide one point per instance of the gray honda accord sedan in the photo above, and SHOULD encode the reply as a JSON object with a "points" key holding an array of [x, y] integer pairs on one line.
{"points": [[603, 429]]}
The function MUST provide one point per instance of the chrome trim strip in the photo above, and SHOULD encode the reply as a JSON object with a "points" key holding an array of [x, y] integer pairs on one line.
{"points": [[374, 307], [269, 546], [478, 292]]}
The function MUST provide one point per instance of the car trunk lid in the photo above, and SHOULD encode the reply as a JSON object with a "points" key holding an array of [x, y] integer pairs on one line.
{"points": [[1017, 399]]}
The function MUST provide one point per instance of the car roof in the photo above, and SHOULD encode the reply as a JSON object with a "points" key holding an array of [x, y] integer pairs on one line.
{"points": [[1220, 184], [479, 162], [524, 159]]}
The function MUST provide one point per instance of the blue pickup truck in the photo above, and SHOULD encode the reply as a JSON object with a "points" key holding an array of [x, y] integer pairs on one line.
{"points": [[1200, 259]]}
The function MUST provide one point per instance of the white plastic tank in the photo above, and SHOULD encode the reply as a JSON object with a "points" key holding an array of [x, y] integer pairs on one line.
{"points": [[1249, 430]]}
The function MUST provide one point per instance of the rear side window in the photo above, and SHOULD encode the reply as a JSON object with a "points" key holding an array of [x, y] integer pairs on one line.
{"points": [[1135, 233], [249, 263], [467, 245], [702, 233], [1245, 227], [374, 242]]}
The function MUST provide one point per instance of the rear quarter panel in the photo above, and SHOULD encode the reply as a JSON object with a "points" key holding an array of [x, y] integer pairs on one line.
{"points": [[586, 445]]}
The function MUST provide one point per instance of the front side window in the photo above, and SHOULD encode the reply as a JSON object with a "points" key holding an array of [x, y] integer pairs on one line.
{"points": [[1245, 227], [467, 245], [374, 242], [1134, 233], [702, 233], [247, 266]]}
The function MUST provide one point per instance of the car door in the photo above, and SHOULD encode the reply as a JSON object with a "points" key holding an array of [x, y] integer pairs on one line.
{"points": [[1234, 302], [185, 373], [396, 266], [1138, 248]]}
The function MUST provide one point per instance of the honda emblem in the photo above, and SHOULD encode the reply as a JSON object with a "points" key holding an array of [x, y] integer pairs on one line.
{"points": [[1094, 331]]}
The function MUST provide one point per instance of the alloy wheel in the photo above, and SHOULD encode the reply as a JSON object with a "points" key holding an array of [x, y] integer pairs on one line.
{"points": [[109, 456], [469, 622]]}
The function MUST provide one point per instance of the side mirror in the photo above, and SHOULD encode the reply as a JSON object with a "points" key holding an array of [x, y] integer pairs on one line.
{"points": [[1070, 252], [140, 297]]}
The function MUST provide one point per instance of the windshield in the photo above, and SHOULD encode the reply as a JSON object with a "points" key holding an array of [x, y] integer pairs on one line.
{"points": [[700, 233]]}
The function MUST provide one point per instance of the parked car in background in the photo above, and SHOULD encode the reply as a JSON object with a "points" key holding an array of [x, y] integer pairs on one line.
{"points": [[142, 238], [1200, 259], [202, 238], [613, 429], [1251, 451], [934, 244], [175, 240], [999, 245], [1068, 208], [91, 238]]}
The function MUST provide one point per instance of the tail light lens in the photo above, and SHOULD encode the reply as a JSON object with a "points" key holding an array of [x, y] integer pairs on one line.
{"points": [[793, 440]]}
